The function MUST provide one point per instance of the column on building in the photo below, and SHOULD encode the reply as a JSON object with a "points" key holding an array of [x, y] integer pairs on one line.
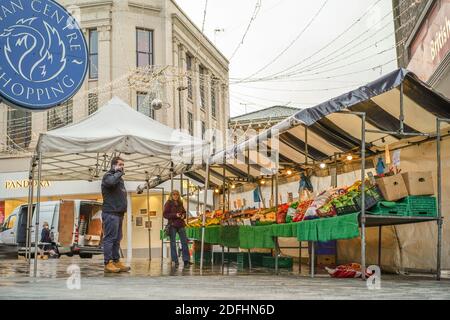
{"points": [[80, 100], [183, 83], [196, 97], [207, 109], [123, 42], [172, 121], [223, 109], [105, 64]]}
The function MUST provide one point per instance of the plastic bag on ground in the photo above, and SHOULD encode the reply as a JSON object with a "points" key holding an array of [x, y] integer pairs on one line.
{"points": [[351, 270]]}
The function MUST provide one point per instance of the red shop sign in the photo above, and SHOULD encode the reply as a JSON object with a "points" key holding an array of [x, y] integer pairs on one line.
{"points": [[432, 41]]}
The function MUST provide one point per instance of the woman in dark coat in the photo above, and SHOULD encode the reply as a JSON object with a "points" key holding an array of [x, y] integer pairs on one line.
{"points": [[175, 213], [47, 242]]}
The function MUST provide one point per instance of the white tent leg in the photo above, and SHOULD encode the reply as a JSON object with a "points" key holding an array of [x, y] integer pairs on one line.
{"points": [[129, 230], [363, 195], [30, 209], [38, 209]]}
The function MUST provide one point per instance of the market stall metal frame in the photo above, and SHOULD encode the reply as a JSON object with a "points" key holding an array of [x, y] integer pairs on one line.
{"points": [[362, 99]]}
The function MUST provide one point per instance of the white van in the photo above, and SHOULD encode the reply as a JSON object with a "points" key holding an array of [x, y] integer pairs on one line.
{"points": [[75, 224]]}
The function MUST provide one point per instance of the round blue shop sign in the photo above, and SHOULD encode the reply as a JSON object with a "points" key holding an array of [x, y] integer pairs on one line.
{"points": [[43, 54]]}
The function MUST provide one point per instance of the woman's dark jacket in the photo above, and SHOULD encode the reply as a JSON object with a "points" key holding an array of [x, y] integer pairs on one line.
{"points": [[171, 208]]}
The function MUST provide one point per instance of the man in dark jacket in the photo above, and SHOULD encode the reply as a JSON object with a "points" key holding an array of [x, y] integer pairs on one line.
{"points": [[114, 208]]}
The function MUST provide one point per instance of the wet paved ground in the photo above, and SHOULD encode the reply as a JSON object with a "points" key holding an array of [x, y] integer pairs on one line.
{"points": [[156, 281]]}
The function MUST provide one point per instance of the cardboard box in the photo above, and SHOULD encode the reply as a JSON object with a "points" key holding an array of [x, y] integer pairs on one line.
{"points": [[326, 260], [93, 243], [419, 183], [392, 188], [91, 240]]}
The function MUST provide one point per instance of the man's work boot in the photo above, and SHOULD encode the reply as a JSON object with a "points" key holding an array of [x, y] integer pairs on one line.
{"points": [[121, 266], [111, 268]]}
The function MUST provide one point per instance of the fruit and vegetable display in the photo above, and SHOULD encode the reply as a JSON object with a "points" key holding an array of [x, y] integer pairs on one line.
{"points": [[329, 203], [197, 223]]}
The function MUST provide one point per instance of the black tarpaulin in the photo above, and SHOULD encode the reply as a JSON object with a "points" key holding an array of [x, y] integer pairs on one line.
{"points": [[331, 132]]}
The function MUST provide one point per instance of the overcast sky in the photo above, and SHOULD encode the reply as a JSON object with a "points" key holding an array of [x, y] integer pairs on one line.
{"points": [[330, 47]]}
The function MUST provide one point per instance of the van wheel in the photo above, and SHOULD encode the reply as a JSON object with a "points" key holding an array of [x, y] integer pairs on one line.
{"points": [[86, 255], [69, 254]]}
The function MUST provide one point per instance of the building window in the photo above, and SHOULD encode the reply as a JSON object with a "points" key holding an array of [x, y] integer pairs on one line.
{"points": [[213, 98], [189, 75], [144, 47], [92, 103], [144, 104], [191, 123], [202, 73], [19, 128], [93, 54], [60, 116], [203, 130]]}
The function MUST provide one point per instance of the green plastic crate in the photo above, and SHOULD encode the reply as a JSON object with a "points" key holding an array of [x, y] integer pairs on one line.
{"points": [[421, 206], [207, 256], [231, 256], [387, 208], [283, 262], [257, 259]]}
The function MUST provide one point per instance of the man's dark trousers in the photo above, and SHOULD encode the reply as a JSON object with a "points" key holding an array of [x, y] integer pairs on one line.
{"points": [[112, 235]]}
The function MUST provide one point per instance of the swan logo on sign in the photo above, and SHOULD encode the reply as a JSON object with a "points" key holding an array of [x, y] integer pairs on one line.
{"points": [[43, 54]]}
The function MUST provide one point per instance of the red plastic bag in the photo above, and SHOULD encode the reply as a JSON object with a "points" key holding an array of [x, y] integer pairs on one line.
{"points": [[351, 270]]}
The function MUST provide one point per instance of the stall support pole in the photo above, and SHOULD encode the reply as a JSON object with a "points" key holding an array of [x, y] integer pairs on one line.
{"points": [[163, 195], [170, 194], [204, 216], [299, 257], [223, 190], [223, 257], [129, 229], [38, 211], [149, 222], [198, 201], [363, 195], [312, 258], [223, 198], [439, 197], [402, 110], [181, 184], [228, 200], [271, 194], [276, 208], [228, 259], [188, 201], [379, 245], [362, 115], [306, 166], [30, 209]]}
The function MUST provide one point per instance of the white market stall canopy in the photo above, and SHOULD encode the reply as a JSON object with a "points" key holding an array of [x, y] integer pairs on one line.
{"points": [[331, 131], [83, 151]]}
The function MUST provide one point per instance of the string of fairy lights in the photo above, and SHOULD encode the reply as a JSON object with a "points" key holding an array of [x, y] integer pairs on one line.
{"points": [[153, 82]]}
